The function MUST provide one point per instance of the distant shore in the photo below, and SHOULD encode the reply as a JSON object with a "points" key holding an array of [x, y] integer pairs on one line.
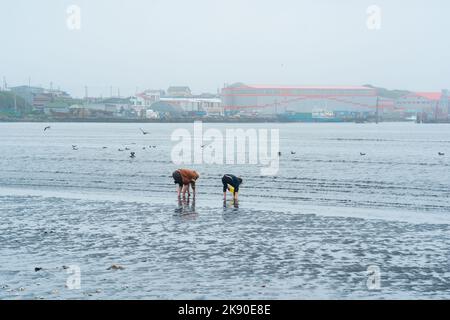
{"points": [[246, 120]]}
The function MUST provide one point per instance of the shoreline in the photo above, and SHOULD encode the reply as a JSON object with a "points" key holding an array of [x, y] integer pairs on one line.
{"points": [[193, 120]]}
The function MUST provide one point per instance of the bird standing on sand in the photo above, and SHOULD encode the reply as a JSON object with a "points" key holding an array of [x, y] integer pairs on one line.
{"points": [[293, 152], [47, 128], [74, 147], [144, 132], [362, 154], [441, 153], [132, 154]]}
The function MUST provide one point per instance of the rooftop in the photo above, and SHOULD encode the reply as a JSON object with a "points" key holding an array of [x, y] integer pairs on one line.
{"points": [[428, 95], [278, 87]]}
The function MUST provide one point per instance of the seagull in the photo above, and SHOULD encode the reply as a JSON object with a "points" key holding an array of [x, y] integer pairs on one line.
{"points": [[279, 153], [127, 148], [441, 153], [132, 154], [203, 146], [105, 148], [47, 128], [154, 146], [144, 132], [143, 148], [362, 154], [74, 147], [120, 150], [292, 152]]}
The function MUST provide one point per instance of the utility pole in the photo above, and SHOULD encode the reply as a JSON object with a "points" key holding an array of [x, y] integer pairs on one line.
{"points": [[436, 111], [378, 111], [85, 94], [15, 103]]}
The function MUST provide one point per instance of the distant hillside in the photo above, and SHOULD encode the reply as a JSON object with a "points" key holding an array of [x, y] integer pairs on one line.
{"points": [[386, 93]]}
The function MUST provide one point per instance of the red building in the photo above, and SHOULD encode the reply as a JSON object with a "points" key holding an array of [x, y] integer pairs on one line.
{"points": [[276, 100], [435, 105]]}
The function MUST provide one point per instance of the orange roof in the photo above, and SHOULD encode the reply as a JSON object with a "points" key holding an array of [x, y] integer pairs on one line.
{"points": [[428, 95], [300, 87]]}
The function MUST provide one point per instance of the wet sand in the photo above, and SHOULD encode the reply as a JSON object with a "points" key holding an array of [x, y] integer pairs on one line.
{"points": [[177, 252]]}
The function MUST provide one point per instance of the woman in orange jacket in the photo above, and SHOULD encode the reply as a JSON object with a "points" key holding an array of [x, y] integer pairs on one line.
{"points": [[185, 178]]}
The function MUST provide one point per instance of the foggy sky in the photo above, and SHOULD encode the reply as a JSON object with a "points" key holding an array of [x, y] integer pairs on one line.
{"points": [[206, 43]]}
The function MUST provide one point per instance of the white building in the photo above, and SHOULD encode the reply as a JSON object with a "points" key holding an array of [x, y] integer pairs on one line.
{"points": [[146, 98], [208, 106]]}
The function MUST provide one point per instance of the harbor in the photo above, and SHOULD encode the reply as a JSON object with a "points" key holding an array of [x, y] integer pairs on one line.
{"points": [[233, 103]]}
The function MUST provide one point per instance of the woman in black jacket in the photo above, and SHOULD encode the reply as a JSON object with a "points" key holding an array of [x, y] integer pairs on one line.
{"points": [[232, 183]]}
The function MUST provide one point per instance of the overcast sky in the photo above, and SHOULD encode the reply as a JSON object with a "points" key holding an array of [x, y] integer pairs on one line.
{"points": [[206, 43]]}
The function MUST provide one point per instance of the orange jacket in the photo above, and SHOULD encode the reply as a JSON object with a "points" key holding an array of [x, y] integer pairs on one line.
{"points": [[188, 176]]}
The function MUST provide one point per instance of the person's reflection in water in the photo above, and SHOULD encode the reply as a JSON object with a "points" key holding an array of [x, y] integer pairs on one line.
{"points": [[186, 207], [230, 210], [233, 204]]}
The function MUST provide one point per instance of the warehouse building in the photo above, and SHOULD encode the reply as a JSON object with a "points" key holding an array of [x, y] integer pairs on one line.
{"points": [[432, 105], [300, 102]]}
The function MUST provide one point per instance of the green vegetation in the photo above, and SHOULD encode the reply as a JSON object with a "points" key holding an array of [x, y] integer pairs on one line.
{"points": [[11, 105], [386, 93], [116, 100]]}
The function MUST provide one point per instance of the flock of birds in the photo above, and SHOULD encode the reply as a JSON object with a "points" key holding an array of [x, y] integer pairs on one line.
{"points": [[133, 154], [362, 154]]}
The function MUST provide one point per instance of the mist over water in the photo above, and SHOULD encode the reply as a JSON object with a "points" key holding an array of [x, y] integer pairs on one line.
{"points": [[311, 231]]}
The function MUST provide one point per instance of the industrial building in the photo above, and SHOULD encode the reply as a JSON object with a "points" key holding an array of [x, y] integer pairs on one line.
{"points": [[300, 103], [196, 106], [429, 105]]}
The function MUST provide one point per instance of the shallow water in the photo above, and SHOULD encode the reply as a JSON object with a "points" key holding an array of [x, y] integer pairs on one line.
{"points": [[309, 232]]}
